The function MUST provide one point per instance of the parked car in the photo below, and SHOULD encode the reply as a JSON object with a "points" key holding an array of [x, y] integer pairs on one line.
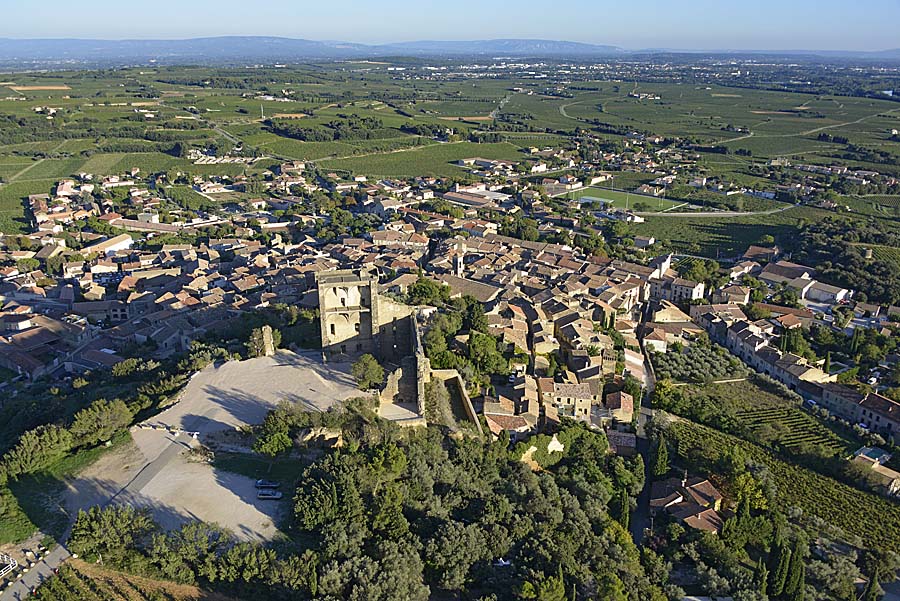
{"points": [[268, 494], [267, 484]]}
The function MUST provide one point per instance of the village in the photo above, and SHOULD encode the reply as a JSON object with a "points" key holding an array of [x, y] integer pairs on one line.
{"points": [[579, 328]]}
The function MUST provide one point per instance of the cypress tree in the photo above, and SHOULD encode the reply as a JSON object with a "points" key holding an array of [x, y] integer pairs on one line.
{"points": [[762, 576], [827, 367], [795, 584], [661, 459], [871, 592], [779, 574], [624, 507], [855, 340]]}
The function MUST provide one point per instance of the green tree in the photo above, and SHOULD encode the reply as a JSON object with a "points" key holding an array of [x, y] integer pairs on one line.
{"points": [[795, 585], [623, 508], [428, 292], [55, 264], [551, 588], [475, 319], [483, 353], [388, 518], [779, 567], [367, 372], [661, 457], [99, 421], [36, 449], [109, 531], [28, 264], [762, 577], [873, 589]]}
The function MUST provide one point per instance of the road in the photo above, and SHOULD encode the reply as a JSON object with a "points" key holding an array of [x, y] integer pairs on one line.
{"points": [[808, 132], [640, 517], [562, 111], [42, 570]]}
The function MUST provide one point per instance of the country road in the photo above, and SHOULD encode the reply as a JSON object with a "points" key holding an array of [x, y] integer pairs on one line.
{"points": [[808, 132], [562, 111]]}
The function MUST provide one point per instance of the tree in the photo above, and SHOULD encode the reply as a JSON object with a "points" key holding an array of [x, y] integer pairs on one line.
{"points": [[762, 576], [55, 264], [111, 531], [781, 560], [873, 589], [827, 366], [388, 518], [367, 372], [28, 264], [256, 344], [99, 421], [36, 449], [483, 353], [661, 458], [623, 508], [428, 292], [437, 403], [551, 588], [475, 318], [795, 584]]}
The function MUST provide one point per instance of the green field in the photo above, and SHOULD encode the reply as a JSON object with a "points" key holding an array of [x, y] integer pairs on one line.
{"points": [[722, 237], [12, 203], [635, 202], [435, 160]]}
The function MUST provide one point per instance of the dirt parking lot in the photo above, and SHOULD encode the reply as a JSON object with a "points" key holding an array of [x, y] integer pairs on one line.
{"points": [[158, 472]]}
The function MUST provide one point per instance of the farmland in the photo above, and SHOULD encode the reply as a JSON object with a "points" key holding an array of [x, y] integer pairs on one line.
{"points": [[436, 160], [795, 486], [758, 406], [726, 236]]}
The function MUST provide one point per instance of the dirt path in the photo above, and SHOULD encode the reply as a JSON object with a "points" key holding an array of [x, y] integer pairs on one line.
{"points": [[809, 132], [562, 110], [16, 176]]}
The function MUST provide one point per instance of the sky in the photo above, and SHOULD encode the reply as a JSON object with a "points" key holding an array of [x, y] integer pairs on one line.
{"points": [[632, 24]]}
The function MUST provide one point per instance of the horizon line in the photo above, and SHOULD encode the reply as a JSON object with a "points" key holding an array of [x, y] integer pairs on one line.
{"points": [[451, 40]]}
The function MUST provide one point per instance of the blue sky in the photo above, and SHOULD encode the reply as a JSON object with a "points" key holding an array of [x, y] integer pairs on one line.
{"points": [[687, 24]]}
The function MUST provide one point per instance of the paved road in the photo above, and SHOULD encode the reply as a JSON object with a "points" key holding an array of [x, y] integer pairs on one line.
{"points": [[640, 517], [42, 571]]}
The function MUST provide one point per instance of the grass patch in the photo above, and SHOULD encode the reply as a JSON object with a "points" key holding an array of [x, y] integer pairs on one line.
{"points": [[33, 501]]}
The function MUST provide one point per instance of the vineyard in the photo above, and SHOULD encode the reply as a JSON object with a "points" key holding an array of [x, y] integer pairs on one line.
{"points": [[798, 428], [78, 581], [875, 520]]}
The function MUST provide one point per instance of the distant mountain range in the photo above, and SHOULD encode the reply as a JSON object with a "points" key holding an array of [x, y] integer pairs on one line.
{"points": [[244, 49], [249, 49]]}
